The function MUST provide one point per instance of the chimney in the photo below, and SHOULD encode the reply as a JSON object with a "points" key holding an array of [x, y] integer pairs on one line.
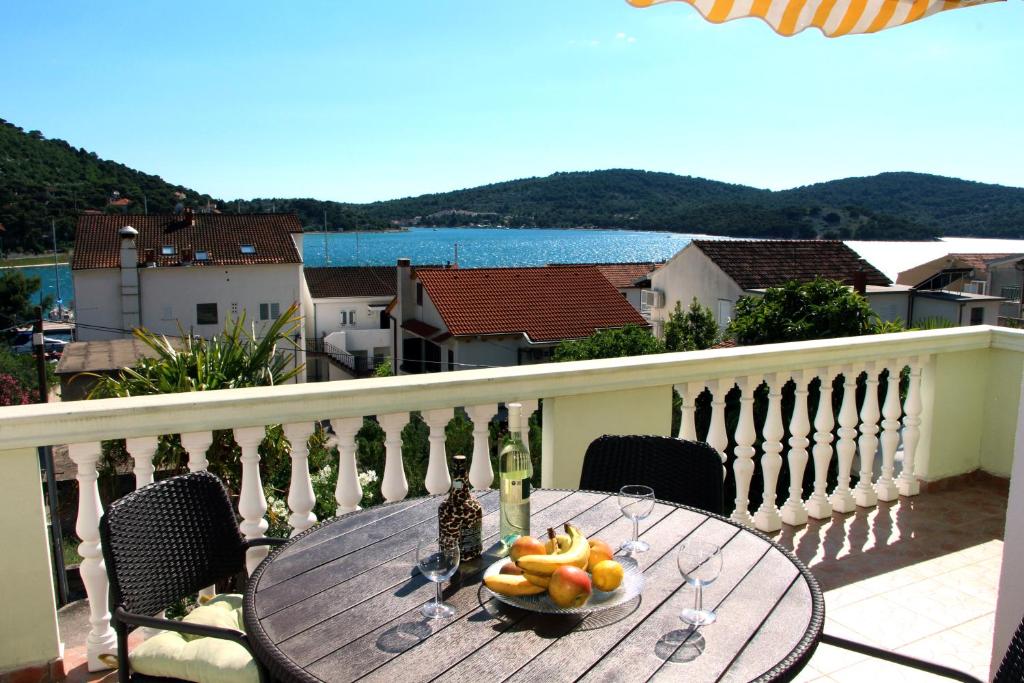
{"points": [[189, 217], [405, 291], [860, 282], [129, 279], [150, 258]]}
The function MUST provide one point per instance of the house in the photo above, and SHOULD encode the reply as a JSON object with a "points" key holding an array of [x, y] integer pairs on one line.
{"points": [[993, 275], [629, 278], [719, 272], [347, 324], [184, 272], [456, 318], [83, 363]]}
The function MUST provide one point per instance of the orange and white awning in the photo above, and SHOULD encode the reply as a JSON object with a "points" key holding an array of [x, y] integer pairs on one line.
{"points": [[833, 17]]}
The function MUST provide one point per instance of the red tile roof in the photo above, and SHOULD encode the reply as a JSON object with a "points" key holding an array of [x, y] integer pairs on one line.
{"points": [[420, 328], [545, 304], [755, 264], [97, 244], [348, 281], [623, 275]]}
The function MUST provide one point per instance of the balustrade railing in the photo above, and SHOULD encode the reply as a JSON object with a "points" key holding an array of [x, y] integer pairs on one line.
{"points": [[754, 405]]}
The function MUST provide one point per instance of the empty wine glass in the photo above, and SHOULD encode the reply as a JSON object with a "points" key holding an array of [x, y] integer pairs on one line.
{"points": [[699, 563], [636, 503], [437, 561]]}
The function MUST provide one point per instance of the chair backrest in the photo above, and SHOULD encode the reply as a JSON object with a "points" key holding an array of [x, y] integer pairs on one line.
{"points": [[1011, 670], [168, 540], [686, 472]]}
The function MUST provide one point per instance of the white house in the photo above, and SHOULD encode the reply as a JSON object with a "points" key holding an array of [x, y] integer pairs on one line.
{"points": [[347, 323], [719, 272], [463, 318], [186, 271], [997, 277]]}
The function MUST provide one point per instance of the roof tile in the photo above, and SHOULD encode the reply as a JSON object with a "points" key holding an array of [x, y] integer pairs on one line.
{"points": [[349, 281]]}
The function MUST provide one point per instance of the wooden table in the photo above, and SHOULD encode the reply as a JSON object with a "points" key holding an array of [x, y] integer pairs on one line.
{"points": [[341, 602]]}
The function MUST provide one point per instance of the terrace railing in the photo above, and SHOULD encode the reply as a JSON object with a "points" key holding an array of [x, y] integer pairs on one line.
{"points": [[890, 412]]}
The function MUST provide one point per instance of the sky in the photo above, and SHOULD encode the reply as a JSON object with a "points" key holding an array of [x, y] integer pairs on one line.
{"points": [[361, 101]]}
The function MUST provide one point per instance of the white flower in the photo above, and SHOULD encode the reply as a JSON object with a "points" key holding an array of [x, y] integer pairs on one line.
{"points": [[367, 477]]}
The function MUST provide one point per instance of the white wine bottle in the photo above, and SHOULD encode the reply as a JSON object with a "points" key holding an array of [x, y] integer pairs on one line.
{"points": [[514, 473]]}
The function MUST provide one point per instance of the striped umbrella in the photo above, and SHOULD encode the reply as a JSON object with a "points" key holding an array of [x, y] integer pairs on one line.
{"points": [[833, 17]]}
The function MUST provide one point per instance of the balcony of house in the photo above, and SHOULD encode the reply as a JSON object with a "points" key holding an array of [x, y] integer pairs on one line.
{"points": [[880, 461]]}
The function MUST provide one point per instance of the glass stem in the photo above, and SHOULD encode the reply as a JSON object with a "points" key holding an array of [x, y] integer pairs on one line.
{"points": [[439, 598], [636, 529], [698, 596]]}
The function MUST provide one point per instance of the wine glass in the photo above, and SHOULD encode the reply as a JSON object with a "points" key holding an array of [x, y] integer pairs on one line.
{"points": [[636, 503], [699, 563], [437, 560]]}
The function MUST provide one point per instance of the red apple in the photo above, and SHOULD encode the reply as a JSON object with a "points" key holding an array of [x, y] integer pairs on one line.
{"points": [[526, 545], [570, 586], [510, 568]]}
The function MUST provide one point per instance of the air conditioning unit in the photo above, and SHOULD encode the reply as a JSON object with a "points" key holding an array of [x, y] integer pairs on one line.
{"points": [[652, 298]]}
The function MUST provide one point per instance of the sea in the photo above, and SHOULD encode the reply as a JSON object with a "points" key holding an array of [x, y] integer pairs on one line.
{"points": [[482, 247]]}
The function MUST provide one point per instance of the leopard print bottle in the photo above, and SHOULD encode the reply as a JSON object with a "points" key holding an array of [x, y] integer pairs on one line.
{"points": [[460, 516]]}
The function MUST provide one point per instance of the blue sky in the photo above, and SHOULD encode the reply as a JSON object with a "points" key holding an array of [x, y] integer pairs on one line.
{"points": [[357, 101]]}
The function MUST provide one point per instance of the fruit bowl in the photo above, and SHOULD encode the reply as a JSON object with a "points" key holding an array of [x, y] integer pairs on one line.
{"points": [[632, 584]]}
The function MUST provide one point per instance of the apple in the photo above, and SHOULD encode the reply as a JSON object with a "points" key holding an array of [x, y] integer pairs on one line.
{"points": [[556, 543], [599, 552], [510, 568], [526, 545], [570, 586]]}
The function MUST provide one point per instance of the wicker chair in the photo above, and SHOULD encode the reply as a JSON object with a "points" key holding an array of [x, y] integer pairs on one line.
{"points": [[163, 542], [685, 472]]}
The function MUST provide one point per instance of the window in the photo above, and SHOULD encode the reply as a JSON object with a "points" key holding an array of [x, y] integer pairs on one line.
{"points": [[270, 311], [248, 248], [977, 315], [351, 317], [1011, 293], [344, 318], [451, 359], [206, 314], [419, 293], [385, 319], [202, 255], [168, 250]]}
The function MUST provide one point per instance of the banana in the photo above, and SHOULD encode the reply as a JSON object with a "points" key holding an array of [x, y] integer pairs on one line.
{"points": [[578, 553], [538, 580], [556, 543], [512, 584]]}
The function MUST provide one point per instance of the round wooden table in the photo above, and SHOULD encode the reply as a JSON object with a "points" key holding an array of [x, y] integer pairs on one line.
{"points": [[341, 602]]}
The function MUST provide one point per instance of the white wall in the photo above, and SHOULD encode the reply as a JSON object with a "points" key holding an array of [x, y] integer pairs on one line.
{"points": [[689, 274], [957, 312], [889, 305], [98, 302], [325, 315]]}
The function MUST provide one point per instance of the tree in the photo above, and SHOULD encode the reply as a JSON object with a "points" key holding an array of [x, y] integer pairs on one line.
{"points": [[693, 330], [819, 309], [631, 340], [16, 304]]}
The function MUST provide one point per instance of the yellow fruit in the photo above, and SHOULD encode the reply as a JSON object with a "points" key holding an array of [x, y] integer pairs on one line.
{"points": [[511, 584], [525, 545], [599, 552], [536, 580], [556, 543], [577, 555], [607, 575]]}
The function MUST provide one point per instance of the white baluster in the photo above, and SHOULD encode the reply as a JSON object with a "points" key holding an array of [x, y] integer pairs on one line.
{"points": [[252, 504], [142, 450], [101, 639], [717, 437], [864, 493], [907, 481], [347, 492], [481, 472], [688, 394], [438, 480], [394, 485], [842, 499], [301, 499], [885, 487], [818, 506], [529, 406], [743, 465], [793, 512], [767, 517], [196, 444]]}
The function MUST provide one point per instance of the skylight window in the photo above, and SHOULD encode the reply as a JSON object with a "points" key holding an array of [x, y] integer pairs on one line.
{"points": [[248, 248], [168, 250], [202, 255]]}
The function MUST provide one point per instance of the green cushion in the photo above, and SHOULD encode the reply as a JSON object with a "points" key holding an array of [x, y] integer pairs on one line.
{"points": [[198, 658]]}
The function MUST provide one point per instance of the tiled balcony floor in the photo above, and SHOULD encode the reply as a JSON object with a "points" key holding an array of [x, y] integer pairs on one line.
{"points": [[919, 576]]}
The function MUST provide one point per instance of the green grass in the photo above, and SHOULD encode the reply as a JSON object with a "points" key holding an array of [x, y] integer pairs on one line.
{"points": [[71, 556], [40, 260]]}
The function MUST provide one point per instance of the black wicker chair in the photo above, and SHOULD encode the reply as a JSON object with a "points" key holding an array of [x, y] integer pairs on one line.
{"points": [[166, 541], [685, 472]]}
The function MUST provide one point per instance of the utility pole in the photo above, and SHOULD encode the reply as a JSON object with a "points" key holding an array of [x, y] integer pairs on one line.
{"points": [[56, 269], [327, 253], [46, 461]]}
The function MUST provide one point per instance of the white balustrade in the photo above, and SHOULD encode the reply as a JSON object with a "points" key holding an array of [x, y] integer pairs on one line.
{"points": [[717, 437], [252, 504], [842, 499], [743, 465], [818, 506], [481, 472], [394, 485], [101, 640], [864, 493], [347, 491], [142, 449], [301, 500], [885, 487], [438, 480], [907, 482], [767, 517], [196, 444], [529, 406], [688, 394], [793, 512]]}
